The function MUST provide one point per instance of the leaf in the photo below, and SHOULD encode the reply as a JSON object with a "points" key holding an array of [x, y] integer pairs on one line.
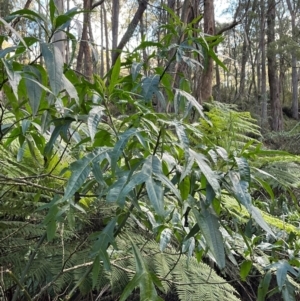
{"points": [[255, 213], [189, 98], [80, 171], [119, 147], [93, 120], [62, 127], [149, 86], [14, 77], [288, 291], [54, 64], [104, 239], [183, 139], [263, 288], [245, 269], [114, 79], [135, 70], [210, 176], [155, 194], [95, 270], [244, 168], [114, 190], [34, 90], [165, 238], [209, 227], [240, 190], [7, 50], [70, 88]]}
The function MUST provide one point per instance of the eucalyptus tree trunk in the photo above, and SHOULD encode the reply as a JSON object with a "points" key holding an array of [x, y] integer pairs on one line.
{"points": [[115, 23], [84, 58], [207, 74], [107, 56], [295, 107], [276, 108], [130, 29], [263, 85], [59, 38]]}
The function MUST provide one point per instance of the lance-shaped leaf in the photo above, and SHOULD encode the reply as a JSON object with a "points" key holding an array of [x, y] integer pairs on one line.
{"points": [[209, 227], [244, 168], [183, 139], [149, 86], [142, 278], [210, 176], [54, 64], [191, 99], [165, 238], [102, 242], [81, 169], [69, 87], [154, 188], [13, 77], [93, 120], [119, 147], [34, 90]]}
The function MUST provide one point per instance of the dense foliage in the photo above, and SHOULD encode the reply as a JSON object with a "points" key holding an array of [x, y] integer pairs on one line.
{"points": [[125, 187]]}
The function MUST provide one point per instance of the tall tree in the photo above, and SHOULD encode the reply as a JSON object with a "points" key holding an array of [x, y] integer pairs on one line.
{"points": [[207, 75], [293, 8], [276, 108]]}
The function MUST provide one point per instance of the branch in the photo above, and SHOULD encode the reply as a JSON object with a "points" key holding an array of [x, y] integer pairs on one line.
{"points": [[97, 4]]}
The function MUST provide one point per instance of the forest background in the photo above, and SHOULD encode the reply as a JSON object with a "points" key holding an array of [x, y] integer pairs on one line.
{"points": [[149, 150]]}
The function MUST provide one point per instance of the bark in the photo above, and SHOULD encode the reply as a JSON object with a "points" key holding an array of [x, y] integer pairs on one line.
{"points": [[263, 86], [106, 40], [207, 75], [84, 58], [295, 107], [102, 43], [59, 38], [276, 108], [130, 30], [115, 23]]}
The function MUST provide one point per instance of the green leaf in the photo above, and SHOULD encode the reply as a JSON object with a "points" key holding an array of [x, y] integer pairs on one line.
{"points": [[183, 139], [255, 213], [52, 9], [95, 270], [210, 176], [191, 99], [135, 70], [34, 90], [114, 190], [70, 88], [14, 77], [184, 188], [264, 287], [114, 79], [288, 291], [104, 239], [61, 128], [80, 171], [165, 238], [119, 146], [54, 64], [93, 120], [240, 190], [245, 269], [155, 194], [209, 226], [149, 86], [7, 50], [244, 168]]}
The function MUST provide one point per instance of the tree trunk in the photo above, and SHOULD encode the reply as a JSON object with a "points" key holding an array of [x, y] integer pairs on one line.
{"points": [[276, 109], [59, 38], [130, 30], [115, 23], [207, 75], [85, 66], [295, 107], [263, 87]]}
